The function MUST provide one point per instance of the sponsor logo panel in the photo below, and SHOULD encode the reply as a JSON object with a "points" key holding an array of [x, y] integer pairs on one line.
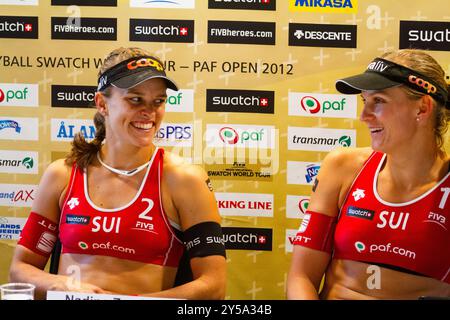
{"points": [[324, 6], [73, 96], [296, 206], [156, 30], [322, 105], [97, 3], [20, 2], [86, 29], [17, 195], [19, 161], [427, 35], [247, 238], [175, 134], [245, 204], [65, 129], [242, 135], [19, 95], [250, 101], [243, 4], [322, 35], [290, 237], [319, 139], [299, 172], [19, 27], [239, 170], [19, 129], [173, 4], [180, 101], [10, 228], [249, 32]]}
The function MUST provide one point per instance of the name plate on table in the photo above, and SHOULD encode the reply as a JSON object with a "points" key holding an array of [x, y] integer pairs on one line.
{"points": [[67, 295]]}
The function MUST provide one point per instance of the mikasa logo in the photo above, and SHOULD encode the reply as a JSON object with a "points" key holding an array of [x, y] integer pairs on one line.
{"points": [[377, 66]]}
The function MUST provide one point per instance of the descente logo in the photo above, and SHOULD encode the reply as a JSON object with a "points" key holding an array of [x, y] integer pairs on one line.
{"points": [[330, 6]]}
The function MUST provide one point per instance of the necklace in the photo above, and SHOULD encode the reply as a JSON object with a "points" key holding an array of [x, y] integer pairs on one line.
{"points": [[127, 173]]}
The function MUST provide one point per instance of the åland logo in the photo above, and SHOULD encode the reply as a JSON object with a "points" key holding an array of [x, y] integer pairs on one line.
{"points": [[228, 135]]}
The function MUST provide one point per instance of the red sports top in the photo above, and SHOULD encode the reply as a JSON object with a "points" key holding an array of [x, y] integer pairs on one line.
{"points": [[138, 231], [413, 235]]}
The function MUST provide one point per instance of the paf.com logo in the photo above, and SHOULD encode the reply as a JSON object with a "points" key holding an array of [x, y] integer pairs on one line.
{"points": [[246, 136], [322, 105], [18, 94], [324, 6]]}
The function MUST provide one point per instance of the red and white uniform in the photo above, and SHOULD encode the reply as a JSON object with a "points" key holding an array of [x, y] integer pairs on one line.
{"points": [[139, 231], [413, 235]]}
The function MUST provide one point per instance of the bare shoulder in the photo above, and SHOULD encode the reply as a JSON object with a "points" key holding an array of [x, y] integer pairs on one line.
{"points": [[346, 160], [51, 189], [58, 172], [180, 171]]}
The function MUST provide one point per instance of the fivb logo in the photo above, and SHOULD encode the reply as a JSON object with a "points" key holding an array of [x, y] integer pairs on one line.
{"points": [[324, 6], [318, 139], [180, 101], [296, 206], [302, 172], [174, 4], [19, 129], [245, 136], [18, 94], [322, 105], [18, 161]]}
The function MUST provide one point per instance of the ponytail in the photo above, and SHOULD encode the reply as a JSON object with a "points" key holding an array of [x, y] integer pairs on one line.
{"points": [[83, 152]]}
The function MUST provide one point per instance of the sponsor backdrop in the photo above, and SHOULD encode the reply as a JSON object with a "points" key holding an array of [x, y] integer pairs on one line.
{"points": [[258, 109]]}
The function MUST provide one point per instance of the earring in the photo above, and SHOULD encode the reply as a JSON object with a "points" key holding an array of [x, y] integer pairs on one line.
{"points": [[417, 119]]}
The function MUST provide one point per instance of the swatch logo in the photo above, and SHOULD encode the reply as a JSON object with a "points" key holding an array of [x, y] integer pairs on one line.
{"points": [[243, 4], [322, 35], [73, 96], [154, 30], [18, 27], [247, 238], [250, 101], [429, 35]]}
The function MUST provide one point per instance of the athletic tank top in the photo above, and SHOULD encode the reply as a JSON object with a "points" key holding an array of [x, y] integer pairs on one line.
{"points": [[139, 231], [413, 235]]}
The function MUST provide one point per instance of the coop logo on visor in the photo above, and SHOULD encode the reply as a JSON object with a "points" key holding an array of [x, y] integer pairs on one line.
{"points": [[132, 72]]}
